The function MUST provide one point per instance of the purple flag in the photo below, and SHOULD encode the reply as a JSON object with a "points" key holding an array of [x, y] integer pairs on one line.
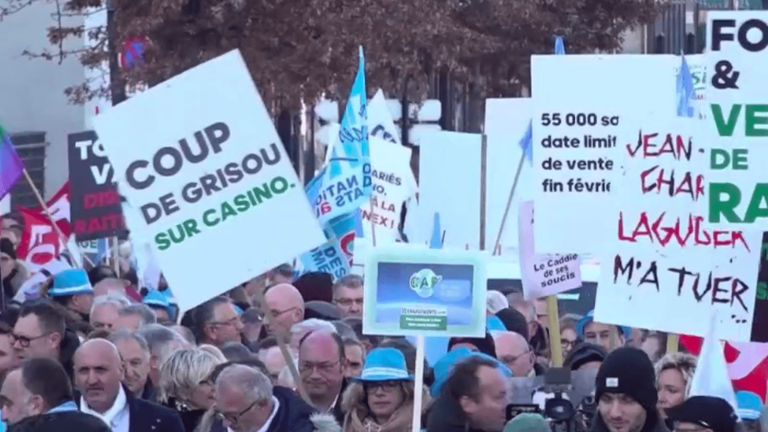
{"points": [[11, 167]]}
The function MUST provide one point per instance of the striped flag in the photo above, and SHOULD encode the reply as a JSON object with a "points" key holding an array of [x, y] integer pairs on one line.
{"points": [[11, 167]]}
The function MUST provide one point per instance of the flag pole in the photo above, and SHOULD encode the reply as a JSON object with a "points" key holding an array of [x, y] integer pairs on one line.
{"points": [[509, 204], [47, 212]]}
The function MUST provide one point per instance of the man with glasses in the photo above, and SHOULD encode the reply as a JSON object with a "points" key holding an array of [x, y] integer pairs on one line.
{"points": [[41, 331], [246, 401], [286, 308], [322, 366], [514, 351], [217, 322], [348, 296]]}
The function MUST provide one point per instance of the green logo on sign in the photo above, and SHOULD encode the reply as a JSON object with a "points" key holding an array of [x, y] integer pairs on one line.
{"points": [[424, 282]]}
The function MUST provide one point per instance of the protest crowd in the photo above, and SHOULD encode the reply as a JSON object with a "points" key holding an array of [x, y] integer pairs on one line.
{"points": [[240, 303]]}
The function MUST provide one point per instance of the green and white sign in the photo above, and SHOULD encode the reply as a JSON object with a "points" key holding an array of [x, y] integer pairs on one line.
{"points": [[207, 180], [737, 120]]}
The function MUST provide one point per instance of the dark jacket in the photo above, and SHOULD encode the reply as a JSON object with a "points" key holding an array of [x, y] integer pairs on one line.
{"points": [[539, 369], [293, 413], [446, 415], [337, 411], [149, 393], [61, 421], [189, 418], [148, 417], [69, 344]]}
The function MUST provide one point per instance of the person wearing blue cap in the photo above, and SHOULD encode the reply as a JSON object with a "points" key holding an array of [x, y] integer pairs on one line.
{"points": [[750, 410], [72, 289], [381, 398], [608, 336], [160, 304]]}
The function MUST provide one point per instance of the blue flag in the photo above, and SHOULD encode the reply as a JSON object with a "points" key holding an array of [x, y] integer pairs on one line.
{"points": [[345, 183], [685, 91], [335, 255], [436, 242], [526, 143]]}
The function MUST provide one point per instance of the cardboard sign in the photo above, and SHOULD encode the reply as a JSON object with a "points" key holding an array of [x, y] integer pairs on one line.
{"points": [[666, 258], [414, 291], [93, 198], [581, 118], [543, 275], [212, 185], [391, 171], [735, 123]]}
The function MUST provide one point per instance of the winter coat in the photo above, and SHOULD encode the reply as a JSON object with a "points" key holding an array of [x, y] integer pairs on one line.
{"points": [[61, 421], [445, 415]]}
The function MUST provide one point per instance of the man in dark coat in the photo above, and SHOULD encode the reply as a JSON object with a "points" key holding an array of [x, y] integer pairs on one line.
{"points": [[37, 396], [98, 372], [247, 401]]}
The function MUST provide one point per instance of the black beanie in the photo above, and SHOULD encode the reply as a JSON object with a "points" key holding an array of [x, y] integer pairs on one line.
{"points": [[484, 345], [584, 353], [7, 247], [514, 321], [629, 371]]}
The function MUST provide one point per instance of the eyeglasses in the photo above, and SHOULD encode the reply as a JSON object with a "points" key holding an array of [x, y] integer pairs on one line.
{"points": [[234, 418], [306, 368], [277, 313], [230, 322], [566, 344], [512, 359], [384, 385], [24, 341]]}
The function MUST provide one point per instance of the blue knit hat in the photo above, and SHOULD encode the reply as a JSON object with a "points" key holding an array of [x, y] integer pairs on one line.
{"points": [[384, 364], [157, 299], [589, 318], [70, 282], [750, 405]]}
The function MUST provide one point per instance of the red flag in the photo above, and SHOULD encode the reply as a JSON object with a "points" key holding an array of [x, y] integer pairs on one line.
{"points": [[40, 244], [58, 205], [747, 363]]}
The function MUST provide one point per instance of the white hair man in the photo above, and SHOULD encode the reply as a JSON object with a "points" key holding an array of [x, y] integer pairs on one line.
{"points": [[162, 342], [106, 310], [301, 329], [495, 301], [247, 401], [134, 317]]}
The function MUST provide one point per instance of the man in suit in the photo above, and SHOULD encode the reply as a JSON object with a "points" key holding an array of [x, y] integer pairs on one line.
{"points": [[38, 394], [98, 376]]}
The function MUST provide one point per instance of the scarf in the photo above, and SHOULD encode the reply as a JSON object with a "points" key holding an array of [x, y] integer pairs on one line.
{"points": [[112, 413], [65, 407], [400, 421]]}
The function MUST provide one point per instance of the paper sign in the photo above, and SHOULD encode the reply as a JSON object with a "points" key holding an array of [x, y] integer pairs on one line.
{"points": [[669, 271], [93, 198], [199, 161], [415, 291], [543, 275], [736, 187], [391, 166], [380, 125], [581, 118]]}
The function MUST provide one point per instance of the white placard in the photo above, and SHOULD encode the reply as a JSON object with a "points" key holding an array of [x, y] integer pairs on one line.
{"points": [[199, 159], [666, 260], [449, 174], [585, 108], [737, 119]]}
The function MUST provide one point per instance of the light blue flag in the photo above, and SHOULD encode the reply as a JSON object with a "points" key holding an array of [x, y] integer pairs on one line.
{"points": [[345, 183], [685, 91], [334, 256], [102, 249], [526, 143], [436, 242]]}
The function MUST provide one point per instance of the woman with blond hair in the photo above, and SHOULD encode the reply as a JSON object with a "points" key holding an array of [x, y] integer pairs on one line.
{"points": [[674, 374], [381, 398], [185, 385]]}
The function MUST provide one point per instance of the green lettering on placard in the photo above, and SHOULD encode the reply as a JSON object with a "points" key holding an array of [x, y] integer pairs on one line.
{"points": [[756, 115], [725, 128], [726, 207], [762, 291], [740, 159], [758, 205]]}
